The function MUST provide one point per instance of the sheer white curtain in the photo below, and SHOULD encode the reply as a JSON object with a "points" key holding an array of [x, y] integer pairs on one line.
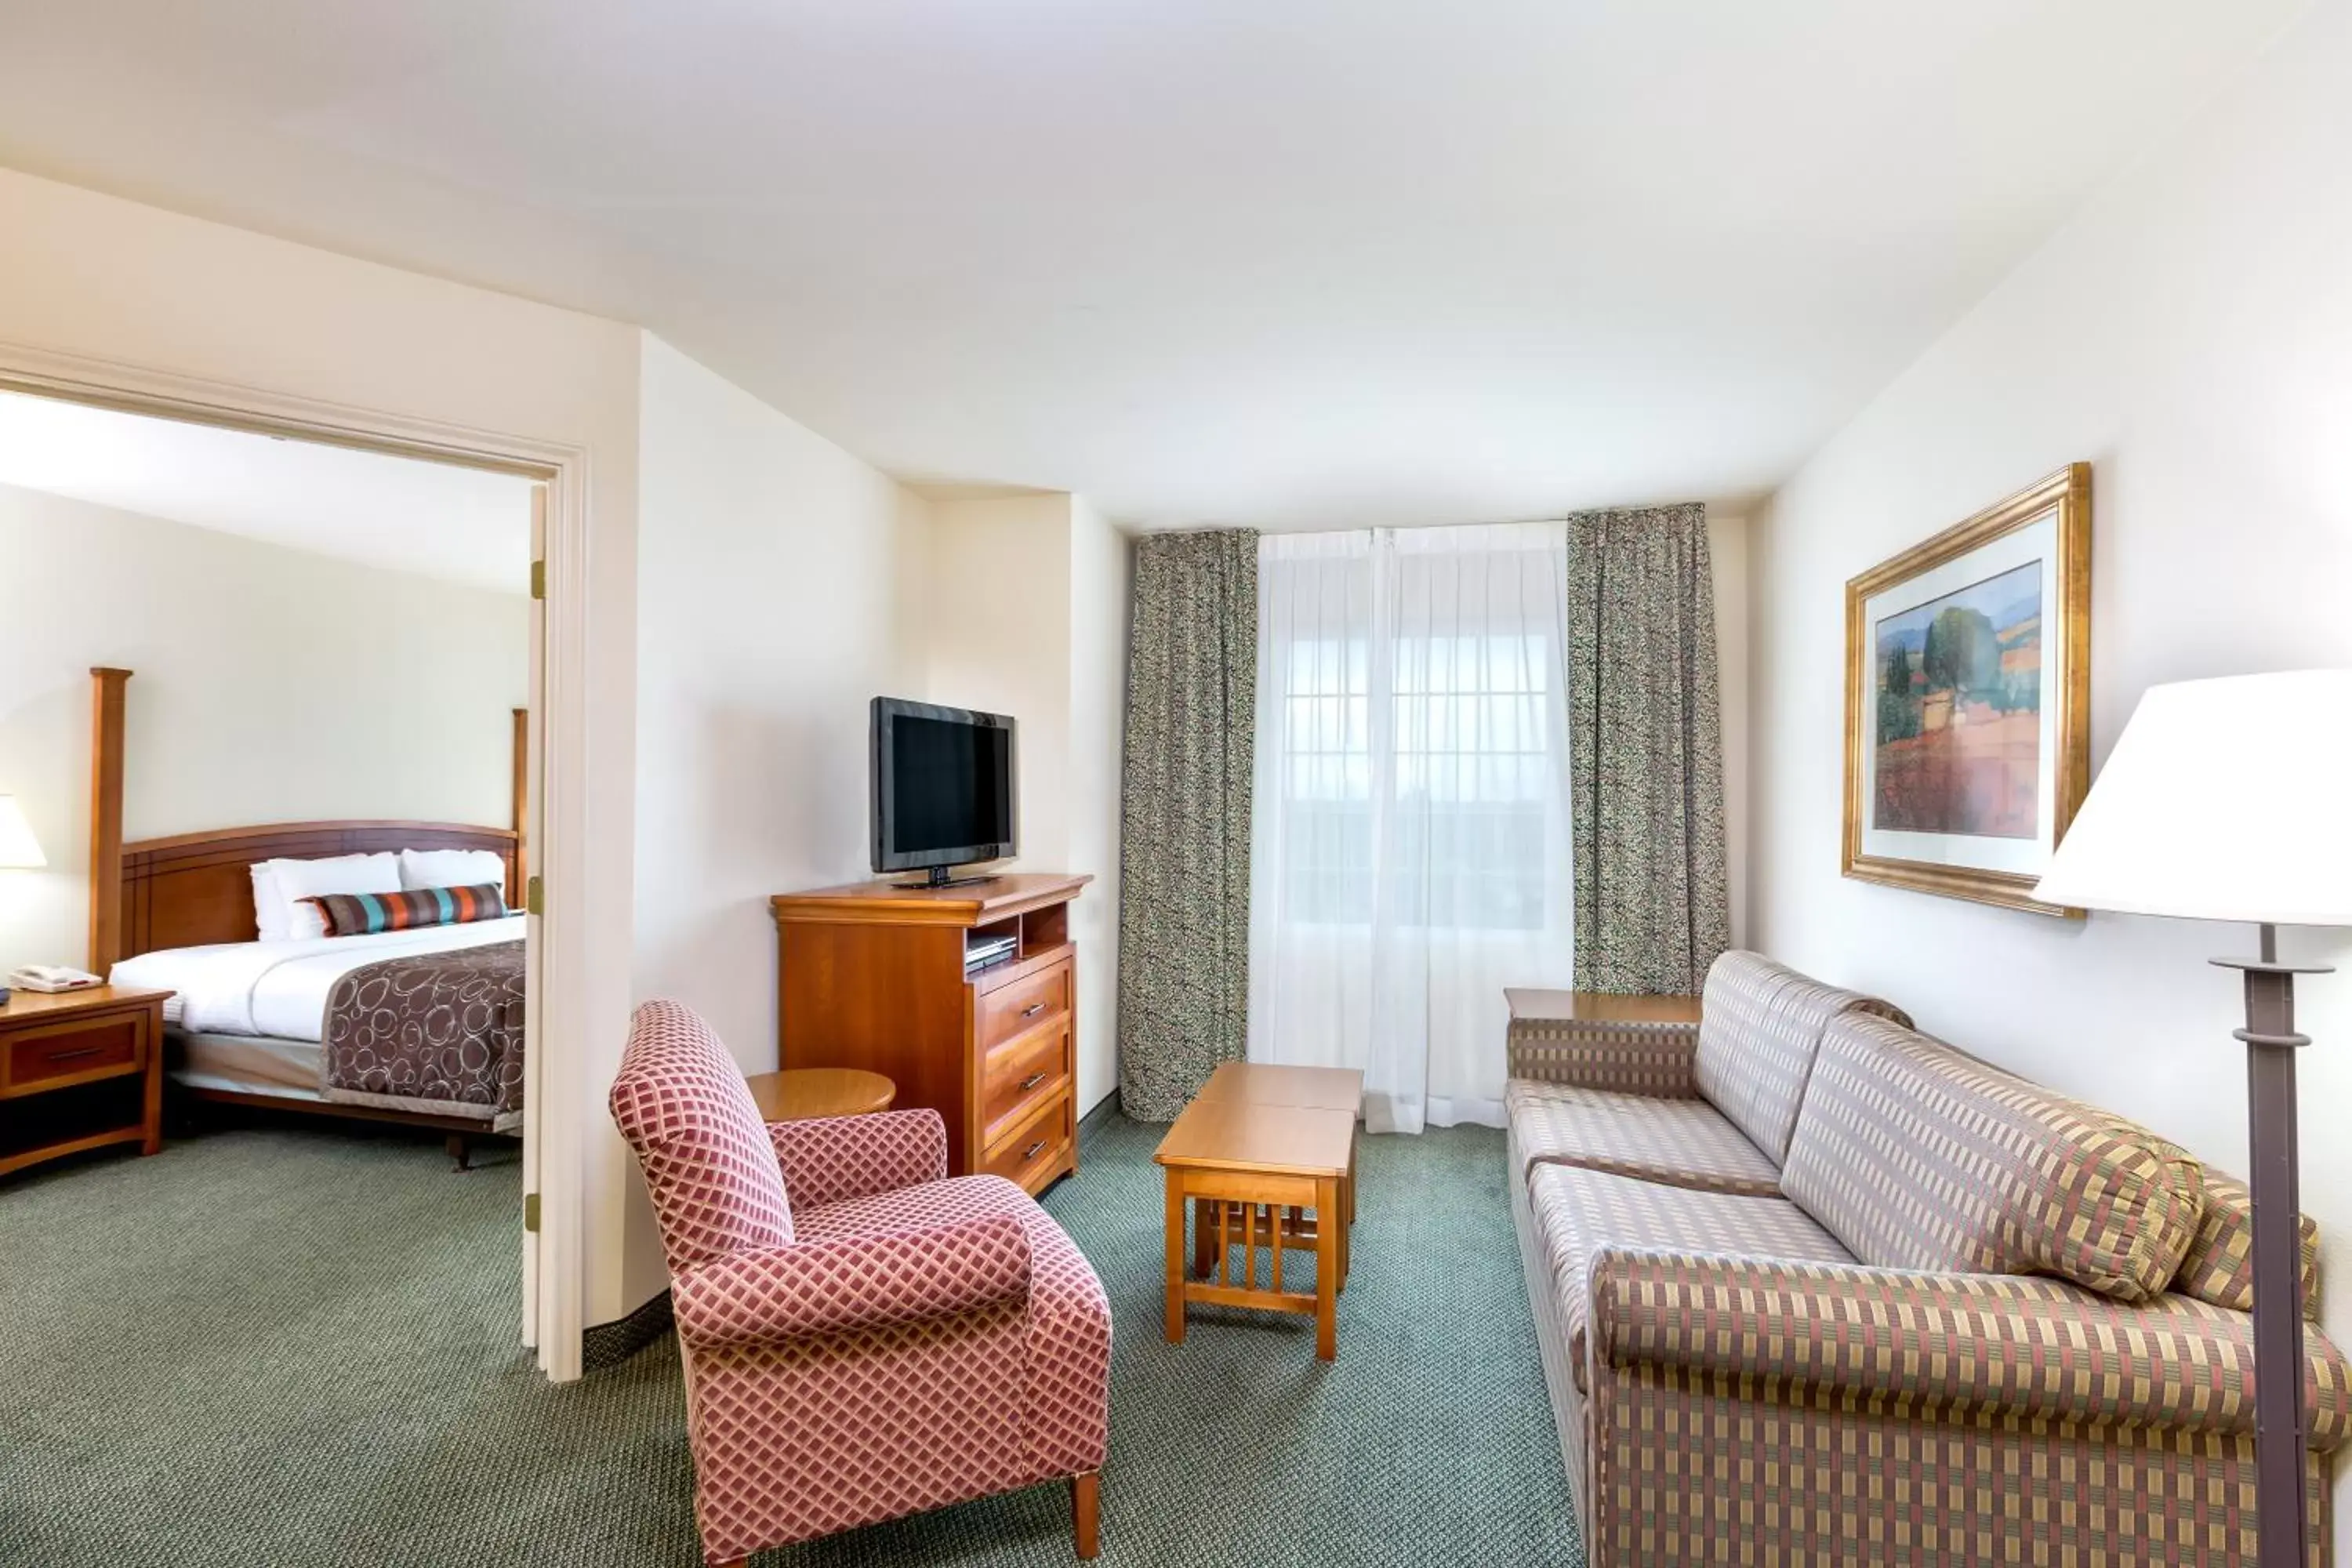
{"points": [[1408, 848]]}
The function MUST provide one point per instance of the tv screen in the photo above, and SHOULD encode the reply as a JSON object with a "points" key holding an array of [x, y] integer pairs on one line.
{"points": [[943, 785]]}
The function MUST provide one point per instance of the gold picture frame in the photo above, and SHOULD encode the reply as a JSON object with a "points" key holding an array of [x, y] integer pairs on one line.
{"points": [[1939, 738]]}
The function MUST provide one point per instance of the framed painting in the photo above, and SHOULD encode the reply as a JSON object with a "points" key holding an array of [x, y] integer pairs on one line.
{"points": [[1967, 671]]}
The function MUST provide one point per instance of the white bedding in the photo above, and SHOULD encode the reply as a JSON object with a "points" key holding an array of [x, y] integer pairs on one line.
{"points": [[280, 987]]}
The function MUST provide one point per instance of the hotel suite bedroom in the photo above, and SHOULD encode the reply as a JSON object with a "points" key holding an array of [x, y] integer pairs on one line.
{"points": [[273, 696]]}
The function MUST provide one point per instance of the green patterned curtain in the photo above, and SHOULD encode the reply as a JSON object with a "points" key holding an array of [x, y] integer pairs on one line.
{"points": [[1645, 752], [1184, 829]]}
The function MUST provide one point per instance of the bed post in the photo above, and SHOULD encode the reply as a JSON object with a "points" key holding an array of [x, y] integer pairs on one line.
{"points": [[106, 818], [518, 879]]}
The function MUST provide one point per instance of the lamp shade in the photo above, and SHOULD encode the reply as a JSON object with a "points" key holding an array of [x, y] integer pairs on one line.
{"points": [[19, 850], [2223, 800]]}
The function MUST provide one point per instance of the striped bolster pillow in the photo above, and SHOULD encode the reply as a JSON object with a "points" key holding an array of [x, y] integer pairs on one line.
{"points": [[362, 914]]}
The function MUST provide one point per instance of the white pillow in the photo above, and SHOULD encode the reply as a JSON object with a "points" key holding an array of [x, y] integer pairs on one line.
{"points": [[269, 903], [300, 879], [422, 869]]}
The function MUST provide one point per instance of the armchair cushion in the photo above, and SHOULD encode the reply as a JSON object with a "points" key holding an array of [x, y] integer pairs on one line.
{"points": [[844, 1284], [682, 1103], [831, 1158]]}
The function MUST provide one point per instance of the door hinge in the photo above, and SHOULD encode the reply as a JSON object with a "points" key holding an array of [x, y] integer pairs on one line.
{"points": [[534, 901], [538, 579], [530, 1213]]}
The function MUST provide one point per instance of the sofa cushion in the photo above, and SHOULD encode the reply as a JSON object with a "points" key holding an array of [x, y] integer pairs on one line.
{"points": [[1685, 1142], [1579, 1212], [1918, 1156], [2219, 1266], [1759, 1024]]}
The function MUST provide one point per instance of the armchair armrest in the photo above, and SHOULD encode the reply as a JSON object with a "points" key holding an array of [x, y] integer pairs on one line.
{"points": [[849, 1283], [1658, 1059], [2030, 1346], [834, 1158]]}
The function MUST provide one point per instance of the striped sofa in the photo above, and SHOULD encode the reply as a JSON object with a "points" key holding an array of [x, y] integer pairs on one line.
{"points": [[1811, 1286]]}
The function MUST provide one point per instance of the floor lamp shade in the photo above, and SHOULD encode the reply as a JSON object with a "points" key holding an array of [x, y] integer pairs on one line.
{"points": [[2223, 800]]}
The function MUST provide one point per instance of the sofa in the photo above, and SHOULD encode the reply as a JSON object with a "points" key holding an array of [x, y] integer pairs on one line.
{"points": [[1813, 1286]]}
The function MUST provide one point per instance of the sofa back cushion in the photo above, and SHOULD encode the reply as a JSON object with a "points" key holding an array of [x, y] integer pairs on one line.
{"points": [[1759, 1024], [1918, 1156], [2219, 1268]]}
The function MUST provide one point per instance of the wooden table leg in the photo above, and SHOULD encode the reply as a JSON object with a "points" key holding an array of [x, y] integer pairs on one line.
{"points": [[1327, 1231], [1175, 1257]]}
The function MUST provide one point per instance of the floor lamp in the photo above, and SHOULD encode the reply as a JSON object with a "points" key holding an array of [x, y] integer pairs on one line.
{"points": [[2231, 800]]}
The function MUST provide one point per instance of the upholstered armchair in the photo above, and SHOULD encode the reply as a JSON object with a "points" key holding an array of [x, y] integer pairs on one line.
{"points": [[864, 1338]]}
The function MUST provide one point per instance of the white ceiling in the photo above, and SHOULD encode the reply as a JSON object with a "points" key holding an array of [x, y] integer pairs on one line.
{"points": [[458, 524], [1308, 262]]}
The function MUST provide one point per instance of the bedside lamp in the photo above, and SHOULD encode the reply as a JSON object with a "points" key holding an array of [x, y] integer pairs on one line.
{"points": [[19, 850], [2224, 800]]}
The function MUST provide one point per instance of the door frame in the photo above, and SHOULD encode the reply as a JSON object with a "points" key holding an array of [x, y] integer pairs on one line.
{"points": [[554, 1141]]}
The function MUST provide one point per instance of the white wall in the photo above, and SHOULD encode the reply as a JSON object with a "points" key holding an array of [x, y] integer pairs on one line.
{"points": [[2191, 333], [996, 636], [1025, 612], [113, 280], [770, 566], [252, 700], [1100, 557]]}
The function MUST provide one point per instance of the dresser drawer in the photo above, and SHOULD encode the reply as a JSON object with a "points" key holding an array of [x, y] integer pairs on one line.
{"points": [[1038, 1144], [1019, 1073], [1024, 1003], [84, 1049]]}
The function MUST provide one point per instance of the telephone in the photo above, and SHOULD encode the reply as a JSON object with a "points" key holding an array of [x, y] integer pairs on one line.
{"points": [[52, 977]]}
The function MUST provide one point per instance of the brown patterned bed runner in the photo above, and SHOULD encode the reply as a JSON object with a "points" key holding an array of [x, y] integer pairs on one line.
{"points": [[436, 1032]]}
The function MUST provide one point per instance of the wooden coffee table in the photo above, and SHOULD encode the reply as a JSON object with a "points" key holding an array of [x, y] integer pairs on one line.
{"points": [[1252, 1169]]}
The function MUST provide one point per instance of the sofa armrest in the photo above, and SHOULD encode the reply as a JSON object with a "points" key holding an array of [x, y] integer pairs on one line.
{"points": [[1657, 1059], [2027, 1346], [842, 1285], [833, 1158]]}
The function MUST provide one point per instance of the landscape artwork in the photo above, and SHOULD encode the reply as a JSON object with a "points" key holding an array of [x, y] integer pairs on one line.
{"points": [[1968, 713], [1959, 711]]}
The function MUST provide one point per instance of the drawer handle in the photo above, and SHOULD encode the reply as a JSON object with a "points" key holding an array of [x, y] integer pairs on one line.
{"points": [[76, 1052], [1034, 1150], [1031, 1010], [1031, 1081]]}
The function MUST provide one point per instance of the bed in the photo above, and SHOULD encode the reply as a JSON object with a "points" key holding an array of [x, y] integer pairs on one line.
{"points": [[422, 1026]]}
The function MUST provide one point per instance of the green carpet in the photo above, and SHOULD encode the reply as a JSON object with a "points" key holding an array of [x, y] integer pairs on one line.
{"points": [[267, 1347]]}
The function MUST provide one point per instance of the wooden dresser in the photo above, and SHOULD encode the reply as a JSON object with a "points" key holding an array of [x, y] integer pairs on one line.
{"points": [[872, 975]]}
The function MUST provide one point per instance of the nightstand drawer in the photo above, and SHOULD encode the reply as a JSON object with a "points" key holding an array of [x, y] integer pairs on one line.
{"points": [[92, 1047]]}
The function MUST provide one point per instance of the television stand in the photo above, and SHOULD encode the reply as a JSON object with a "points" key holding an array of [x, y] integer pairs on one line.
{"points": [[937, 877], [873, 976]]}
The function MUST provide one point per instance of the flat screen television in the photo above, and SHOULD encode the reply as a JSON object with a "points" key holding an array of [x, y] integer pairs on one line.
{"points": [[943, 787]]}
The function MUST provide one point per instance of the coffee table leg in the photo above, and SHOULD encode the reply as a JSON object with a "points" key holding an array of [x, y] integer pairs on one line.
{"points": [[1329, 1228], [1175, 1255]]}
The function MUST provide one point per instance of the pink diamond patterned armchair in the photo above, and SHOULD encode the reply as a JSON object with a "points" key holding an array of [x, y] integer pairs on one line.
{"points": [[864, 1338]]}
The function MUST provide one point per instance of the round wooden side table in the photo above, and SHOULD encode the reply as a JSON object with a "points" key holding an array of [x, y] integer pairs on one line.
{"points": [[804, 1094]]}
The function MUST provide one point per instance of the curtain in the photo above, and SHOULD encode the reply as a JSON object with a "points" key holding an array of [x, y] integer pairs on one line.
{"points": [[1184, 828], [1653, 899], [1410, 846]]}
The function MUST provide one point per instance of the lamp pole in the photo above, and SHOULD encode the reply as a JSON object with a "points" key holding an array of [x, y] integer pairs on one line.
{"points": [[2271, 1043]]}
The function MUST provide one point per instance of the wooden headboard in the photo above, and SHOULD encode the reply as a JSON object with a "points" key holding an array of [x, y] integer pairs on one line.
{"points": [[197, 888]]}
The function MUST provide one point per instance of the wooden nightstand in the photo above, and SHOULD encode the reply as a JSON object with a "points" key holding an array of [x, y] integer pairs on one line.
{"points": [[80, 1069]]}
